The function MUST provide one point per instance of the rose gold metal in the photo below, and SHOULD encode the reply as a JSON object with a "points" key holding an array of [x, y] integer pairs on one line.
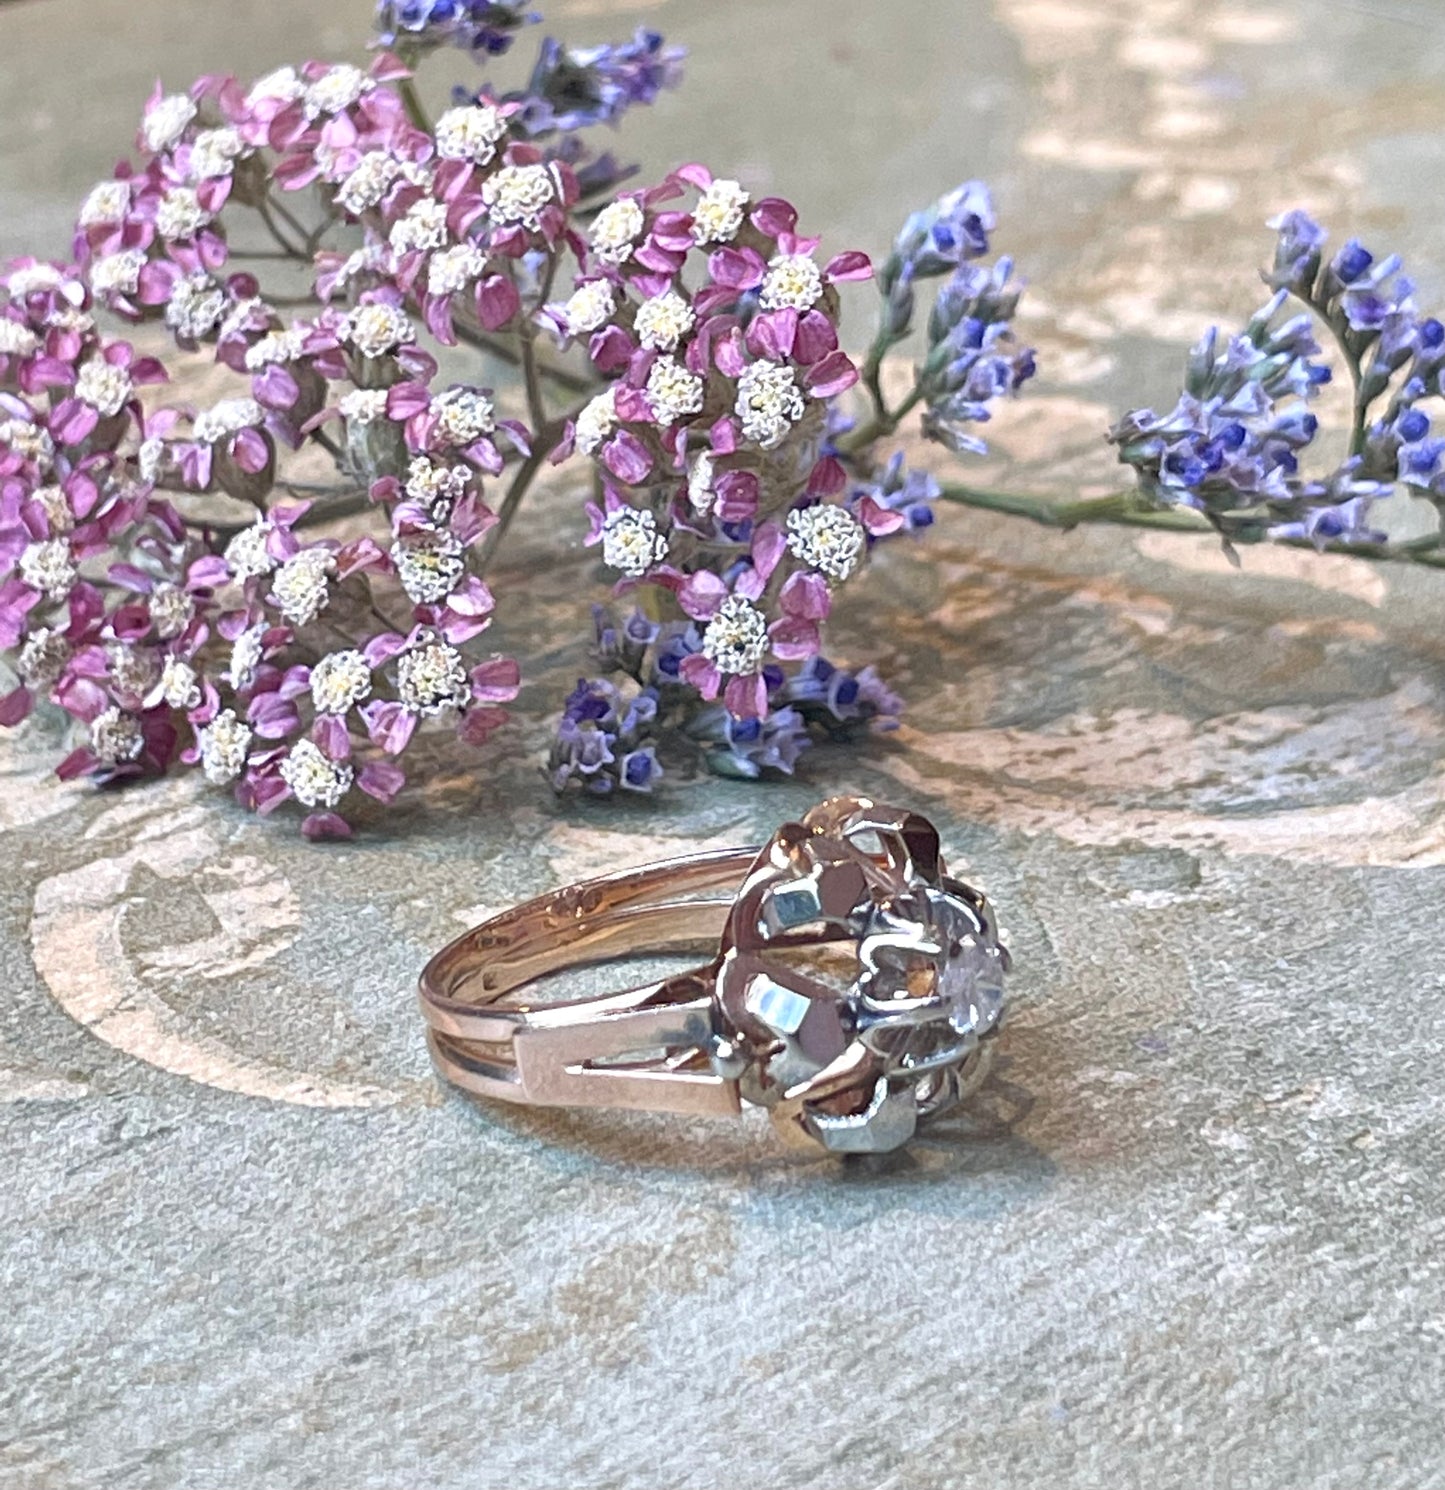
{"points": [[489, 1039]]}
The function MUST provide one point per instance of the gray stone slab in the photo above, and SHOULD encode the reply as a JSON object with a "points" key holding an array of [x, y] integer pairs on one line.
{"points": [[1191, 1232]]}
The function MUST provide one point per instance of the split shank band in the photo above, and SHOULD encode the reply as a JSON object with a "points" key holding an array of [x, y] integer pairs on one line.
{"points": [[854, 1069]]}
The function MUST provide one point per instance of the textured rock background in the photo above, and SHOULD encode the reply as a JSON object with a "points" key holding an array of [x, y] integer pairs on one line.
{"points": [[1191, 1235]]}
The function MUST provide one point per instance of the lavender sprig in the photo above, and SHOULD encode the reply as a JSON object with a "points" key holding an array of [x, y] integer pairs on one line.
{"points": [[482, 27], [1230, 448]]}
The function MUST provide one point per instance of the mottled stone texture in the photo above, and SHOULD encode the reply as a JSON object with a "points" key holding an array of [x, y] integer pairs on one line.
{"points": [[1190, 1234]]}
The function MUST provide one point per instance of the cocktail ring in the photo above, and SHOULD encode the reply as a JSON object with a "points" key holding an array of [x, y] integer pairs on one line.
{"points": [[852, 988]]}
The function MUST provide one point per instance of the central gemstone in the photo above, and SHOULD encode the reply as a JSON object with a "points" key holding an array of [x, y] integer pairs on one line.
{"points": [[932, 942]]}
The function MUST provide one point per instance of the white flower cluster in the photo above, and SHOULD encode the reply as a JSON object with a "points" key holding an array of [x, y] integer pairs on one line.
{"points": [[115, 737], [117, 274], [314, 778], [131, 670], [370, 180], [246, 654], [672, 391], [49, 566], [518, 195], [196, 303], [363, 405], [178, 685], [179, 214], [104, 386], [719, 213], [274, 348], [106, 205], [53, 502], [166, 121], [615, 230], [434, 485], [471, 132], [338, 88], [223, 745], [828, 539], [225, 418], [453, 269], [432, 679], [16, 340], [29, 441], [793, 282], [246, 554], [340, 680], [463, 416], [421, 228], [631, 542], [214, 153], [43, 657], [596, 422], [736, 637], [769, 402], [300, 587], [700, 491], [377, 328], [663, 321], [429, 564], [283, 85], [590, 306], [171, 609]]}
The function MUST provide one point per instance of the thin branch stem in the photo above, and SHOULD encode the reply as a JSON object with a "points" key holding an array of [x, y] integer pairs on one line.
{"points": [[1123, 509], [564, 378]]}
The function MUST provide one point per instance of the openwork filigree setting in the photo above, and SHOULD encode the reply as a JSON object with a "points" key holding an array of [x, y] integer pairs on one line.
{"points": [[857, 1068]]}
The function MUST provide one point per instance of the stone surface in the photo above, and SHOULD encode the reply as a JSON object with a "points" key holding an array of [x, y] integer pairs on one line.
{"points": [[1191, 1233]]}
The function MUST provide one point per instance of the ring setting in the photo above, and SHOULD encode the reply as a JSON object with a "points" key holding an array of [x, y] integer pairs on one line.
{"points": [[853, 992]]}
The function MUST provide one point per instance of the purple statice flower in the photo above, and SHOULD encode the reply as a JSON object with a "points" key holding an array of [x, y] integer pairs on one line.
{"points": [[940, 238], [1231, 446], [576, 87], [1232, 441], [839, 701], [483, 27], [746, 749], [973, 356], [604, 743], [623, 646]]}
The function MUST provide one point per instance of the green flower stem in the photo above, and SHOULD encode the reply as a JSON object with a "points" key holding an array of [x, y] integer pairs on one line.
{"points": [[1124, 509], [412, 99]]}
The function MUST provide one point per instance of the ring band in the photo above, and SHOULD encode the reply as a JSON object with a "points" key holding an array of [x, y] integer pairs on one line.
{"points": [[854, 1066]]}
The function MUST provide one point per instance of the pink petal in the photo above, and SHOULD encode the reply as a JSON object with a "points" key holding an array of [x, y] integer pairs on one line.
{"points": [[701, 674], [702, 594], [774, 216], [768, 546], [794, 640], [381, 779], [319, 825], [497, 301], [878, 519], [772, 334], [627, 458], [747, 697], [852, 265], [737, 268], [806, 597], [478, 725], [497, 680], [833, 375], [817, 336]]}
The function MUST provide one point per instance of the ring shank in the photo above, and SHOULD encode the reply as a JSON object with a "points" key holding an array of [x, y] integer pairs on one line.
{"points": [[488, 1039]]}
